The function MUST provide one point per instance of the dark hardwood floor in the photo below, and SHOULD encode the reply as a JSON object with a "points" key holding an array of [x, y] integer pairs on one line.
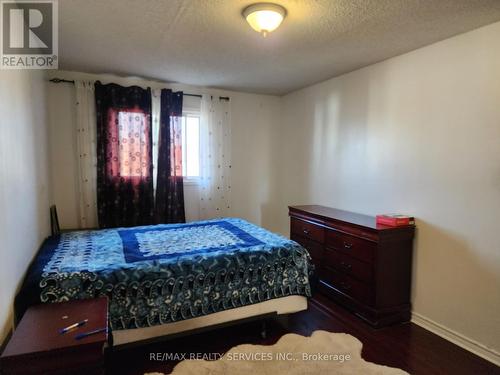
{"points": [[406, 346]]}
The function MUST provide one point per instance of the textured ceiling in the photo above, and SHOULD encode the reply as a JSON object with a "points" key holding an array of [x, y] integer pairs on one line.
{"points": [[208, 43]]}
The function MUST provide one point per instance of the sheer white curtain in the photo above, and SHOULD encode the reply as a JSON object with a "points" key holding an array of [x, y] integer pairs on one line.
{"points": [[155, 130], [86, 149], [215, 158]]}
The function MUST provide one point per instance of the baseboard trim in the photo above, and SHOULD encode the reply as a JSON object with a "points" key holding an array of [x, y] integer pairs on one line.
{"points": [[472, 346]]}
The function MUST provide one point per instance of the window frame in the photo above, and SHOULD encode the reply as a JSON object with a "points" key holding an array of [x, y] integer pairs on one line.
{"points": [[190, 180]]}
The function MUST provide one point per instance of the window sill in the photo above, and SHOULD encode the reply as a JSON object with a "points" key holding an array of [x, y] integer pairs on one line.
{"points": [[191, 181]]}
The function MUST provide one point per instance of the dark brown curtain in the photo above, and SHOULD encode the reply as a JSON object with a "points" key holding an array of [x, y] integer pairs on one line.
{"points": [[124, 156], [169, 183]]}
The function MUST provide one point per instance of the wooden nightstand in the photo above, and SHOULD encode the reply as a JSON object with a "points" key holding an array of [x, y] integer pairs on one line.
{"points": [[37, 347]]}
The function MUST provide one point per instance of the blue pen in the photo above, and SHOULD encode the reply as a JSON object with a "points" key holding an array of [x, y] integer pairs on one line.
{"points": [[76, 325], [90, 333]]}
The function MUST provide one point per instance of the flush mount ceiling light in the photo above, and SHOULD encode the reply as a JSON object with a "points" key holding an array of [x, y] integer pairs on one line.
{"points": [[264, 17]]}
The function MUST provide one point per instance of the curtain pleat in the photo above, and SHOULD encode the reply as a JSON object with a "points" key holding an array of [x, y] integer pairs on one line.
{"points": [[169, 202], [86, 153]]}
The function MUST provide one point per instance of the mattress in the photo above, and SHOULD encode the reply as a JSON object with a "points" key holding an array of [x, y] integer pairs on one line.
{"points": [[155, 275]]}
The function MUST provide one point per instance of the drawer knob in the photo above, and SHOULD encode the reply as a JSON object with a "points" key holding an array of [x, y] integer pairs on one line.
{"points": [[347, 266], [345, 286], [305, 231], [347, 245]]}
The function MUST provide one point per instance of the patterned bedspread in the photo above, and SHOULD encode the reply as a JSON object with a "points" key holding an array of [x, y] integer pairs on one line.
{"points": [[163, 273]]}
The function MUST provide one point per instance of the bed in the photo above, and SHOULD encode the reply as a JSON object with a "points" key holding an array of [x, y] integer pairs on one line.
{"points": [[169, 278]]}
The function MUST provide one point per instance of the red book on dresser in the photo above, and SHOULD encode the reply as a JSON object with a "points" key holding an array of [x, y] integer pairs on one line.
{"points": [[395, 220]]}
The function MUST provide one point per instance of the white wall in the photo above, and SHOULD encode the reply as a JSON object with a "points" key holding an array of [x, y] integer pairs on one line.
{"points": [[24, 182], [416, 134], [63, 157], [253, 119]]}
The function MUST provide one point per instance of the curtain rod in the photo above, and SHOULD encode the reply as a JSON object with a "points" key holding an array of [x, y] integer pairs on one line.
{"points": [[59, 80]]}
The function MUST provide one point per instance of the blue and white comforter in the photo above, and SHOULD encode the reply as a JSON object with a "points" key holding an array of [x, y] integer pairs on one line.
{"points": [[164, 273]]}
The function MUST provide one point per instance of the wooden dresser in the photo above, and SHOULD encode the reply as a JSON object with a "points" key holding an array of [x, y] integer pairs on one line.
{"points": [[364, 266]]}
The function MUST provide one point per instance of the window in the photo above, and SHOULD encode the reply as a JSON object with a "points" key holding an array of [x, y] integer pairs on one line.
{"points": [[191, 146]]}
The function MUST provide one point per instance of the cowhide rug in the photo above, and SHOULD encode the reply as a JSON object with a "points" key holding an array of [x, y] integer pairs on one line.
{"points": [[322, 353]]}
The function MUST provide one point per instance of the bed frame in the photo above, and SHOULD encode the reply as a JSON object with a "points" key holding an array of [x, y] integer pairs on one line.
{"points": [[259, 311]]}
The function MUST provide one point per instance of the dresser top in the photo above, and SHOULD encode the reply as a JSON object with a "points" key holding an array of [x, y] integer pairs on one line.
{"points": [[344, 216]]}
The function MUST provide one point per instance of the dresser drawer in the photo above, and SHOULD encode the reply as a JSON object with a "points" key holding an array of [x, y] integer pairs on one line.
{"points": [[347, 285], [315, 249], [348, 265], [353, 246], [307, 230]]}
